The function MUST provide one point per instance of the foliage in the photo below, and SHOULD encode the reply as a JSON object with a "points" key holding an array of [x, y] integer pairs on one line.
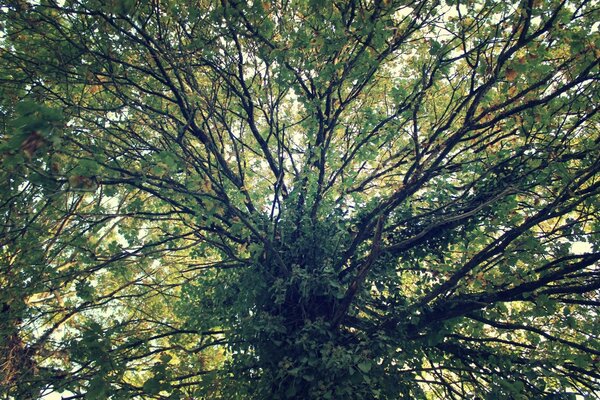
{"points": [[299, 199]]}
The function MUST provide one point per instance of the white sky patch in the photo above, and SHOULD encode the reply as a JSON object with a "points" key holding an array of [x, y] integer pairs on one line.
{"points": [[401, 13], [581, 247], [452, 12], [55, 395]]}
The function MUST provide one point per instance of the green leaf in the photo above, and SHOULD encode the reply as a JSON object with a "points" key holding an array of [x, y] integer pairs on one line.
{"points": [[98, 389], [290, 392], [365, 366], [152, 386]]}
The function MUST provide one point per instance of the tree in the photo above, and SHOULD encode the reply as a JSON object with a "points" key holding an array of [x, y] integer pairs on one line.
{"points": [[300, 199]]}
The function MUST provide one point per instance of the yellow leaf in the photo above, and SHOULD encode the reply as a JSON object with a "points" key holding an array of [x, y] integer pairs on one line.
{"points": [[94, 89], [511, 74]]}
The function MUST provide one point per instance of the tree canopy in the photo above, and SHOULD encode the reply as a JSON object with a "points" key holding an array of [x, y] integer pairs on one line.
{"points": [[301, 199]]}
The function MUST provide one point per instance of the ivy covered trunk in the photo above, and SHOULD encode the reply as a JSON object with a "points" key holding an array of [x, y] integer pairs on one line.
{"points": [[305, 345]]}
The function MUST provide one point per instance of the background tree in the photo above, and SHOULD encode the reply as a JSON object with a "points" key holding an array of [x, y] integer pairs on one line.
{"points": [[299, 199]]}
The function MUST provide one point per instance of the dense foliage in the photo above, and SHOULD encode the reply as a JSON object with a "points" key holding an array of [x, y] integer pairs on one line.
{"points": [[355, 199]]}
